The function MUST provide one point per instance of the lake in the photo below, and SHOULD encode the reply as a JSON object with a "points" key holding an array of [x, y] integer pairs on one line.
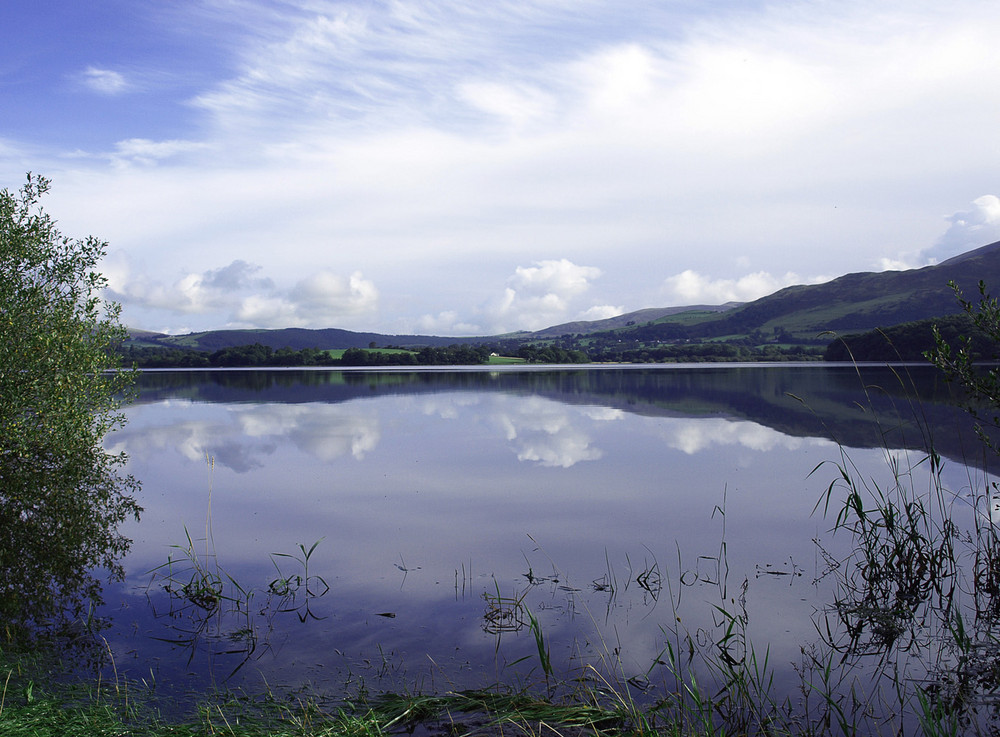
{"points": [[402, 530]]}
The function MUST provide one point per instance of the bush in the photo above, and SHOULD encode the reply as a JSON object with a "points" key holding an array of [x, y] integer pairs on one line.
{"points": [[62, 496]]}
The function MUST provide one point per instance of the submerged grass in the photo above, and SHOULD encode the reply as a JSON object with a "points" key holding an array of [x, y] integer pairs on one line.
{"points": [[118, 709]]}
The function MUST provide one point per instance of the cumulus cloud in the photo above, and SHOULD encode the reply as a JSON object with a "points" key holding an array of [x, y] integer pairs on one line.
{"points": [[900, 263], [191, 293], [541, 295], [602, 312], [447, 322], [546, 293], [969, 229], [561, 278], [691, 287], [104, 81], [323, 299]]}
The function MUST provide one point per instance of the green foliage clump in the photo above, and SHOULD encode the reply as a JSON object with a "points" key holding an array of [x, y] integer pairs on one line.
{"points": [[910, 341], [62, 496], [958, 358]]}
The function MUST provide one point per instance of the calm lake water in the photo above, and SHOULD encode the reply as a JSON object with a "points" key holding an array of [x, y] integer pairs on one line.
{"points": [[393, 529]]}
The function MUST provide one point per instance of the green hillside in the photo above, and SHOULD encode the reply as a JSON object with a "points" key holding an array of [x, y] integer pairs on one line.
{"points": [[782, 323], [865, 301], [650, 314], [854, 303], [294, 338]]}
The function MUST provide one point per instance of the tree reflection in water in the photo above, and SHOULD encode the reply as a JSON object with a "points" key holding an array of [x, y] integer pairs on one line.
{"points": [[59, 535]]}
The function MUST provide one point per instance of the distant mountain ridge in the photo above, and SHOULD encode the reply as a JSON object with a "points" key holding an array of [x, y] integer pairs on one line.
{"points": [[294, 338], [868, 300], [853, 303], [585, 327]]}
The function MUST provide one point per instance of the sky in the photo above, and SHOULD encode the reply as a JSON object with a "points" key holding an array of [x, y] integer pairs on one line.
{"points": [[459, 167]]}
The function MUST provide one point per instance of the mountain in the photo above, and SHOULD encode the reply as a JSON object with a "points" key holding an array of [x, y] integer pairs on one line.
{"points": [[294, 338], [854, 303], [335, 338], [650, 314]]}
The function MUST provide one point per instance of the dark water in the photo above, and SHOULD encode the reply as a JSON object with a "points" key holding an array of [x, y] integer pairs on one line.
{"points": [[627, 509]]}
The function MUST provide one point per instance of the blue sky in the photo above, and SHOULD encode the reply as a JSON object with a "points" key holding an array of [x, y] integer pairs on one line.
{"points": [[467, 168]]}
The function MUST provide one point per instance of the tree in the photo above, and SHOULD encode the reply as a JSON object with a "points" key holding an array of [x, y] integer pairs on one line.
{"points": [[62, 496], [958, 362]]}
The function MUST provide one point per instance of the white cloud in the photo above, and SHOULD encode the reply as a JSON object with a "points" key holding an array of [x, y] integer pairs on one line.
{"points": [[967, 230], [322, 300], [145, 151], [519, 105], [972, 228], [901, 263], [692, 288], [601, 312], [425, 138], [190, 293], [540, 295], [104, 81], [447, 323], [562, 278]]}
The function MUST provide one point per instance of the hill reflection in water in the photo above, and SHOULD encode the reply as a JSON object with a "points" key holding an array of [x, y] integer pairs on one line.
{"points": [[607, 501]]}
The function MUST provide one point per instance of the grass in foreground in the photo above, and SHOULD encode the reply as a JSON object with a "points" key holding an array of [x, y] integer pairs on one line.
{"points": [[117, 710]]}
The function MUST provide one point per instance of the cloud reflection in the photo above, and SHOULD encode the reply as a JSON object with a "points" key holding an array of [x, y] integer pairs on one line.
{"points": [[692, 436], [239, 437], [323, 431], [549, 433]]}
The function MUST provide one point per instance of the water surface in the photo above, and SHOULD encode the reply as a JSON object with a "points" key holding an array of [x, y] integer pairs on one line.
{"points": [[619, 506]]}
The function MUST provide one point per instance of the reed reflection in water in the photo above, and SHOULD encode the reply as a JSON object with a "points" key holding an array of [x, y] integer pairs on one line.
{"points": [[606, 502]]}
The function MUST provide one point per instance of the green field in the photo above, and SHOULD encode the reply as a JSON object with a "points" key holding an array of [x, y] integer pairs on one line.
{"points": [[338, 353]]}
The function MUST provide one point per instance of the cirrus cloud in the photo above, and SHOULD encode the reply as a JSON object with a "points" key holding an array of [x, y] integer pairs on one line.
{"points": [[104, 81]]}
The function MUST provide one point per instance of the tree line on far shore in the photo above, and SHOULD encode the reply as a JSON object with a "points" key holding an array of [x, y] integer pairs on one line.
{"points": [[257, 355]]}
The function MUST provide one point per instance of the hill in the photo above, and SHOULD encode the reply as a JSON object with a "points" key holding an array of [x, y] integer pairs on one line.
{"points": [[294, 338], [338, 339], [854, 303], [865, 301], [799, 315], [583, 327]]}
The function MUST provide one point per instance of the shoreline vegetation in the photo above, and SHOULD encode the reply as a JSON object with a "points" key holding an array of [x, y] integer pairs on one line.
{"points": [[258, 355], [118, 708], [912, 341]]}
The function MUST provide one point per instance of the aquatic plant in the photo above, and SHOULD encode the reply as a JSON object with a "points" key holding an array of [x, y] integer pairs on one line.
{"points": [[290, 587]]}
